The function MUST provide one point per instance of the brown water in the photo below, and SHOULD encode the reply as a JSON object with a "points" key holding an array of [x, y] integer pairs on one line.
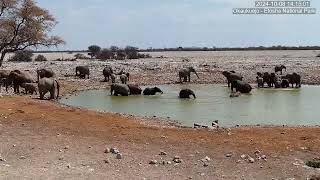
{"points": [[262, 106]]}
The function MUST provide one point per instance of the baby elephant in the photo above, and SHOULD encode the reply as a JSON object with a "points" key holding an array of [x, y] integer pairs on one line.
{"points": [[124, 78], [151, 91], [241, 86], [113, 78], [134, 89], [30, 88], [119, 89], [186, 93]]}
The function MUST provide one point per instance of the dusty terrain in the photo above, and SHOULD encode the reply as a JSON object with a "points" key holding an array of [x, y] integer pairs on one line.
{"points": [[42, 140]]}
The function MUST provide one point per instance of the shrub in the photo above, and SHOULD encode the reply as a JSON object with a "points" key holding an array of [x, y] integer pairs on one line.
{"points": [[104, 54], [121, 55], [144, 55], [131, 52], [80, 56], [94, 50], [40, 58], [314, 164], [22, 56]]}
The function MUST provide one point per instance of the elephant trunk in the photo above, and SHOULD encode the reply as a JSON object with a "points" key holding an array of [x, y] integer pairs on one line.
{"points": [[197, 74], [194, 96]]}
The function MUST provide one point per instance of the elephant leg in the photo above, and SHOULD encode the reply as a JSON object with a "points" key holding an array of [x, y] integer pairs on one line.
{"points": [[52, 93], [41, 95], [229, 83]]}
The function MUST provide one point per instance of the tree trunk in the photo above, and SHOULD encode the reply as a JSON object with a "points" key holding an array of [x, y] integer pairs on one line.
{"points": [[3, 54]]}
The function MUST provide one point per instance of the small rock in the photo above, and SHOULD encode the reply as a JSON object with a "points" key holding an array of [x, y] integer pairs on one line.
{"points": [[22, 157], [169, 162], [60, 150], [229, 155], [176, 157], [177, 161], [2, 159], [207, 158], [264, 157], [107, 151], [14, 145], [251, 160], [119, 156], [107, 161], [205, 164], [243, 156], [67, 147], [68, 166], [60, 158], [153, 162], [114, 151], [162, 153]]}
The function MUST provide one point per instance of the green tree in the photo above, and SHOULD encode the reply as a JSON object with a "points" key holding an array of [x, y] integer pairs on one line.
{"points": [[23, 24]]}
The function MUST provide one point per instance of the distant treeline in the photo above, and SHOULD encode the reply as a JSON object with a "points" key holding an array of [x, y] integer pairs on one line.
{"points": [[260, 48]]}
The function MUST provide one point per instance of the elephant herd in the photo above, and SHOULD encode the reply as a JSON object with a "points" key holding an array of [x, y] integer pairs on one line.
{"points": [[273, 79], [45, 83]]}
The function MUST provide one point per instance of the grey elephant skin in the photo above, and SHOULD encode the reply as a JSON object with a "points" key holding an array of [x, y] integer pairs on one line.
{"points": [[232, 76], [46, 85], [134, 89], [123, 78], [279, 68], [241, 86], [126, 73], [107, 72], [83, 71], [293, 78], [30, 88], [186, 93], [17, 78], [151, 91], [119, 89], [185, 74], [42, 73]]}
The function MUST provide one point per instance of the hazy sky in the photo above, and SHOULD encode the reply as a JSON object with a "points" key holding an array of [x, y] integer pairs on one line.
{"points": [[172, 23]]}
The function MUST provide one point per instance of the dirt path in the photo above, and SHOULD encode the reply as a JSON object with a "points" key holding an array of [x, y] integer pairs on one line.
{"points": [[41, 140]]}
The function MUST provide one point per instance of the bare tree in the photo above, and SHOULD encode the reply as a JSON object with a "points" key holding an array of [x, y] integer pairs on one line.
{"points": [[23, 24]]}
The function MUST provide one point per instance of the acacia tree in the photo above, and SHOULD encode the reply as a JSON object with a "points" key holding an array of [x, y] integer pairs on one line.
{"points": [[23, 24], [94, 50]]}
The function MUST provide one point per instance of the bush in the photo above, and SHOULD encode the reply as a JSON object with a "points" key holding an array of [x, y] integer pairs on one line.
{"points": [[313, 164], [121, 55], [80, 56], [131, 52], [22, 56], [94, 50], [144, 55], [40, 58], [105, 54]]}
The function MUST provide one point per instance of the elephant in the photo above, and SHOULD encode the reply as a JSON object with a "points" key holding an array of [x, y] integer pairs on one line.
{"points": [[123, 78], [18, 77], [4, 74], [186, 93], [185, 73], [113, 78], [107, 72], [241, 86], [126, 73], [285, 83], [83, 71], [51, 85], [120, 89], [232, 76], [279, 68], [134, 89], [260, 82], [151, 91], [30, 88], [42, 73], [293, 78], [267, 79]]}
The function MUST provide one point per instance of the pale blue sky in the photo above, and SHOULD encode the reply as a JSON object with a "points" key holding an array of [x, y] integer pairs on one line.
{"points": [[172, 23]]}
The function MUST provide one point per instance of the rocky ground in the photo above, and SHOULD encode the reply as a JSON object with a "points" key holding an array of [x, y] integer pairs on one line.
{"points": [[42, 140]]}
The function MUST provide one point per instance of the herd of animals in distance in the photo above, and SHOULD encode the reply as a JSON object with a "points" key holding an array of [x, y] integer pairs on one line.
{"points": [[47, 83]]}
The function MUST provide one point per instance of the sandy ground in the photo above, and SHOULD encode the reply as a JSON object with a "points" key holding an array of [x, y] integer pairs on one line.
{"points": [[42, 140]]}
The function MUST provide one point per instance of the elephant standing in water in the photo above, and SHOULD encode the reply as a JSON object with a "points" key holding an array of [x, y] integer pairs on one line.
{"points": [[186, 93], [152, 91], [134, 89], [232, 76], [185, 73], [120, 89], [83, 71], [279, 68], [241, 86], [294, 78], [18, 78], [107, 72], [46, 85], [42, 73]]}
